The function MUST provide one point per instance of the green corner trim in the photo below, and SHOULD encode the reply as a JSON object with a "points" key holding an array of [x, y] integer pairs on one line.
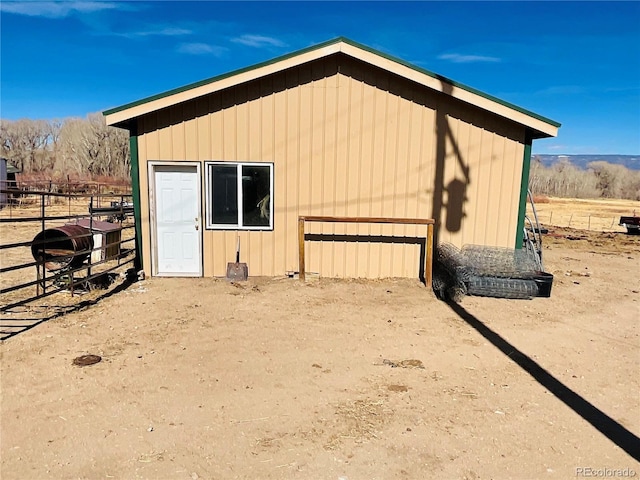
{"points": [[317, 47], [135, 187], [524, 187]]}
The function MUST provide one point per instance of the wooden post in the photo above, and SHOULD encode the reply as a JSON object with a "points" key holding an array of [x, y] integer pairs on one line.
{"points": [[301, 248], [428, 270]]}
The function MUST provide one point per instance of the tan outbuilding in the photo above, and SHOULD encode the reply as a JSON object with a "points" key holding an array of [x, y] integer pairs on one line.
{"points": [[337, 129]]}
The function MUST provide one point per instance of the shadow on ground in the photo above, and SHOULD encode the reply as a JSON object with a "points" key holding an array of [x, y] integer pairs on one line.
{"points": [[606, 425], [12, 322]]}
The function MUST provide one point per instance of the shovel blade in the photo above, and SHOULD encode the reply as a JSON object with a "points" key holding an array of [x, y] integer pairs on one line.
{"points": [[237, 272]]}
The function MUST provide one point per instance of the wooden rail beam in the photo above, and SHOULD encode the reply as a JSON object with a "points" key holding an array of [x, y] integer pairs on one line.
{"points": [[428, 268]]}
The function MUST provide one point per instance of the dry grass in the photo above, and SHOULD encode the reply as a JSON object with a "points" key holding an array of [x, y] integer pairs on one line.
{"points": [[540, 199], [359, 421], [592, 214]]}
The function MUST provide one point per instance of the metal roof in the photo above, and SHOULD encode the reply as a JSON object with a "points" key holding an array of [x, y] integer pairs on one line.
{"points": [[539, 125], [10, 168]]}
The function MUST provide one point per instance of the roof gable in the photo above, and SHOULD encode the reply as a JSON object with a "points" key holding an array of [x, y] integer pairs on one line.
{"points": [[539, 125]]}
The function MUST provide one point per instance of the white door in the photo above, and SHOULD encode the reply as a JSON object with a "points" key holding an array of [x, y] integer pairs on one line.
{"points": [[177, 220]]}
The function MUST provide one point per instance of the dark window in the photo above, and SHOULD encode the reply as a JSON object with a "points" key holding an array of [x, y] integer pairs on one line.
{"points": [[224, 195], [239, 195]]}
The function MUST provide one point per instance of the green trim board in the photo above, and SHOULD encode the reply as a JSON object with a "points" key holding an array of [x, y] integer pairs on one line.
{"points": [[135, 187], [317, 47], [524, 188]]}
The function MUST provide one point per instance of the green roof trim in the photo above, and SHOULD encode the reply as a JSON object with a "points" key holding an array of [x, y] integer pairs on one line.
{"points": [[317, 47], [453, 82], [220, 77]]}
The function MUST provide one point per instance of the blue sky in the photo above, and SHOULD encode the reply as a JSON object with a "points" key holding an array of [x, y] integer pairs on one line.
{"points": [[577, 63]]}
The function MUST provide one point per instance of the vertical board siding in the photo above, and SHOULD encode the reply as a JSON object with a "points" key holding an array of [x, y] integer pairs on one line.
{"points": [[346, 139], [474, 160], [340, 178], [191, 141]]}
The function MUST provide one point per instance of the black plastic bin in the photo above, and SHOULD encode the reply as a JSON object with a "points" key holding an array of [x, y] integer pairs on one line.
{"points": [[544, 281]]}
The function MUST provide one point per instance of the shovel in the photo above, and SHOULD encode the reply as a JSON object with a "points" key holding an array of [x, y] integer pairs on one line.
{"points": [[237, 272]]}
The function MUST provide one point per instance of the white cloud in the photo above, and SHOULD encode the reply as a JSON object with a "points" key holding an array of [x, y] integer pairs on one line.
{"points": [[159, 31], [200, 49], [459, 58], [56, 9], [258, 41], [622, 89]]}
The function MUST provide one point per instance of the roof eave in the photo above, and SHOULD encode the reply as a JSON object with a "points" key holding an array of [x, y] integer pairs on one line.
{"points": [[536, 134]]}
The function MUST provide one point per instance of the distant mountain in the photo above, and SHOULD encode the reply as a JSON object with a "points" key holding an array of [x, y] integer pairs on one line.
{"points": [[632, 162]]}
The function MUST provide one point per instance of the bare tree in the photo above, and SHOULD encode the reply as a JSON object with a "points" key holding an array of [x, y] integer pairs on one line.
{"points": [[600, 179], [16, 143], [616, 181], [26, 144], [10, 143], [91, 147]]}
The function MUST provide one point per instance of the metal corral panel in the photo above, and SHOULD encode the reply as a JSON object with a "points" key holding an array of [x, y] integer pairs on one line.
{"points": [[347, 139]]}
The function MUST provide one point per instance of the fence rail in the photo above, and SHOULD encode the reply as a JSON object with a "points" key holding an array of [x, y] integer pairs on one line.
{"points": [[20, 192], [582, 221]]}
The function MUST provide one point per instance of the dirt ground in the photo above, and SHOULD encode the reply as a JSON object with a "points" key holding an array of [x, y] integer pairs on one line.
{"points": [[275, 379]]}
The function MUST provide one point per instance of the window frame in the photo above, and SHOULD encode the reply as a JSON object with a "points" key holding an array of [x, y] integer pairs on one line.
{"points": [[209, 225]]}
